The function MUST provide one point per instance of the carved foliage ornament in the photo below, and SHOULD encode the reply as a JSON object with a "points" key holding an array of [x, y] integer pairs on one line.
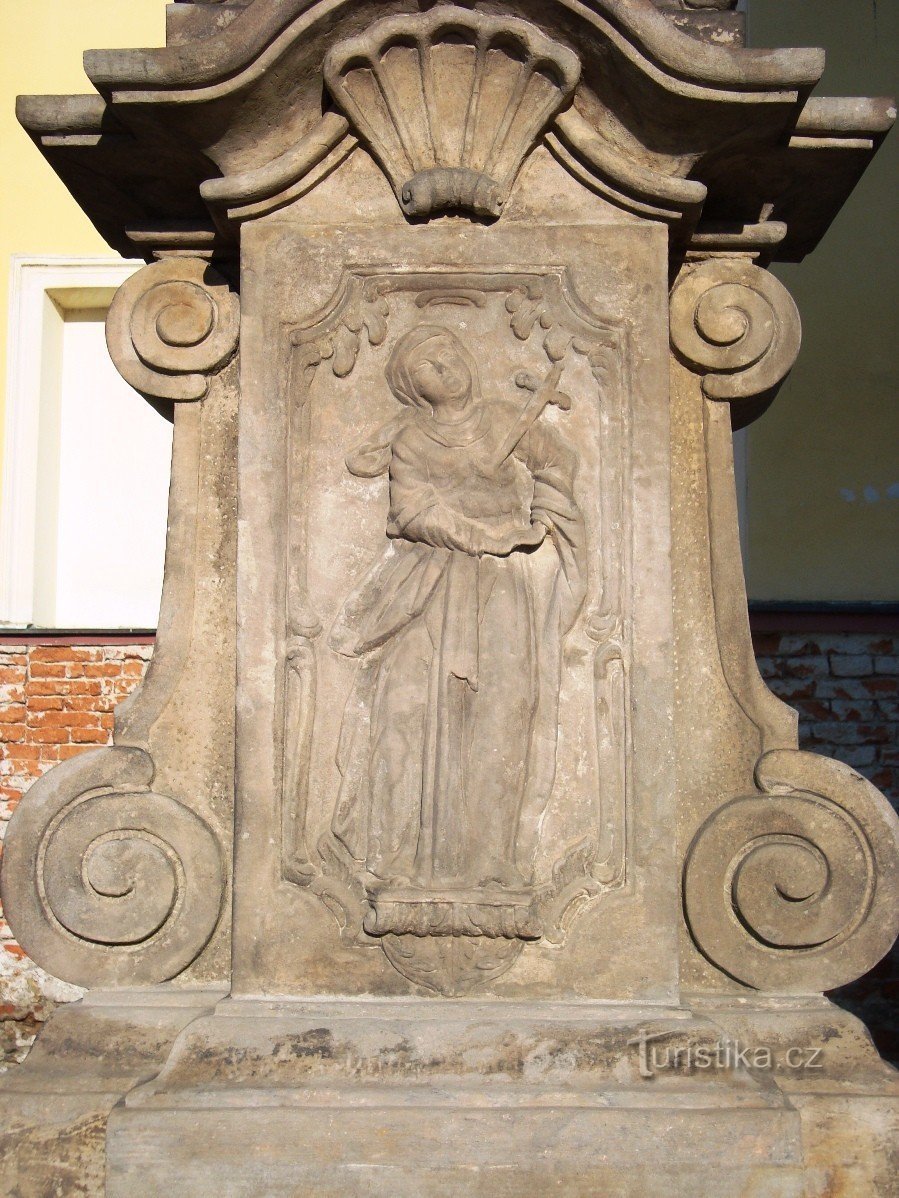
{"points": [[170, 326], [795, 889], [450, 102]]}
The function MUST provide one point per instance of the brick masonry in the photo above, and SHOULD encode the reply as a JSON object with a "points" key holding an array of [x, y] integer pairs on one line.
{"points": [[57, 700], [846, 691]]}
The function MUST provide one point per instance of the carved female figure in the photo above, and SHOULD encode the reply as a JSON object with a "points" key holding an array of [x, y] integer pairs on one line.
{"points": [[447, 751]]}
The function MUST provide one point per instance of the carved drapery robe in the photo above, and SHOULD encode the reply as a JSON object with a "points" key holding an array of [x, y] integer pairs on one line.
{"points": [[448, 745]]}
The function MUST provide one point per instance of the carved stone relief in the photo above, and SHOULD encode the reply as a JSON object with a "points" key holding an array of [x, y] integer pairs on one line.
{"points": [[453, 673], [451, 101], [456, 632]]}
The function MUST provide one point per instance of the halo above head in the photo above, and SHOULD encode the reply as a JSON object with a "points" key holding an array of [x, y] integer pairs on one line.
{"points": [[399, 377]]}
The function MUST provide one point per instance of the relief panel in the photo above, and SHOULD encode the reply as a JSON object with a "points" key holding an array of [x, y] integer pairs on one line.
{"points": [[454, 700]]}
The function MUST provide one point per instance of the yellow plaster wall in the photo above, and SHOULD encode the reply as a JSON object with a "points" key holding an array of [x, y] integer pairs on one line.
{"points": [[41, 44]]}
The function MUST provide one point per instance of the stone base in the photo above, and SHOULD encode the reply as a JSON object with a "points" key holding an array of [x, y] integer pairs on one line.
{"points": [[503, 1154], [54, 1108], [437, 1098]]}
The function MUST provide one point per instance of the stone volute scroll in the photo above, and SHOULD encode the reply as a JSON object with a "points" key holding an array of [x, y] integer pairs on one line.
{"points": [[791, 888], [795, 887], [171, 326], [108, 882], [737, 326], [452, 788]]}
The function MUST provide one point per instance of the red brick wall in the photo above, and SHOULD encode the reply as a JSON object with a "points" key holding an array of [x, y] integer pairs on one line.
{"points": [[56, 700], [846, 690]]}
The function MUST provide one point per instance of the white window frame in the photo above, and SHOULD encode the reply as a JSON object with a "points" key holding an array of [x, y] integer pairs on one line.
{"points": [[42, 290]]}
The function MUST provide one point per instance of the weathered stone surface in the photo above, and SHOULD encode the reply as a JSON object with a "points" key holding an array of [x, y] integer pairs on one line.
{"points": [[53, 1113], [453, 560], [405, 1097], [712, 21], [378, 852]]}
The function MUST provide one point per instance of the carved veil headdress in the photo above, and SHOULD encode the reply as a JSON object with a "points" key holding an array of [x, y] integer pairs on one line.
{"points": [[372, 456], [399, 378]]}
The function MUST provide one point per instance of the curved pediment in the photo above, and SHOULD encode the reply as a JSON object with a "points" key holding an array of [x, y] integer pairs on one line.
{"points": [[635, 109], [637, 68], [242, 52]]}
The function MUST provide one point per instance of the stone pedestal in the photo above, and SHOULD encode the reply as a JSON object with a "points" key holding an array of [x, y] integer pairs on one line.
{"points": [[150, 1093], [397, 1098], [453, 840]]}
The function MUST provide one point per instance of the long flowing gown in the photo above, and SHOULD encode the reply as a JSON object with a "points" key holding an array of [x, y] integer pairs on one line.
{"points": [[448, 744]]}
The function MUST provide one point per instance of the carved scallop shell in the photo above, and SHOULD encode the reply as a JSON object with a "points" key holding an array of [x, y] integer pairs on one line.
{"points": [[450, 102]]}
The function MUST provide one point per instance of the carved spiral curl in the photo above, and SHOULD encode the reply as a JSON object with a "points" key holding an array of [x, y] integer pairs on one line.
{"points": [[170, 326], [738, 326], [796, 889], [106, 882]]}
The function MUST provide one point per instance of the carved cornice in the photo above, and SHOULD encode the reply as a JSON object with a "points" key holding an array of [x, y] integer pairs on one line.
{"points": [[637, 188], [239, 53], [253, 193], [757, 241], [661, 125], [719, 5]]}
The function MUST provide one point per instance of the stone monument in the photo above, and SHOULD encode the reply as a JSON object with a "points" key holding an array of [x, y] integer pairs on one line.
{"points": [[453, 843]]}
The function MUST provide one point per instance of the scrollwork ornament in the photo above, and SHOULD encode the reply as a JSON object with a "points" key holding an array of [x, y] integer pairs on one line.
{"points": [[796, 889], [171, 326], [738, 327], [107, 882]]}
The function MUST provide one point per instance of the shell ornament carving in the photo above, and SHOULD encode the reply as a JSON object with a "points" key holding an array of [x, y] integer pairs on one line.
{"points": [[107, 882], [450, 102], [796, 889], [170, 326]]}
